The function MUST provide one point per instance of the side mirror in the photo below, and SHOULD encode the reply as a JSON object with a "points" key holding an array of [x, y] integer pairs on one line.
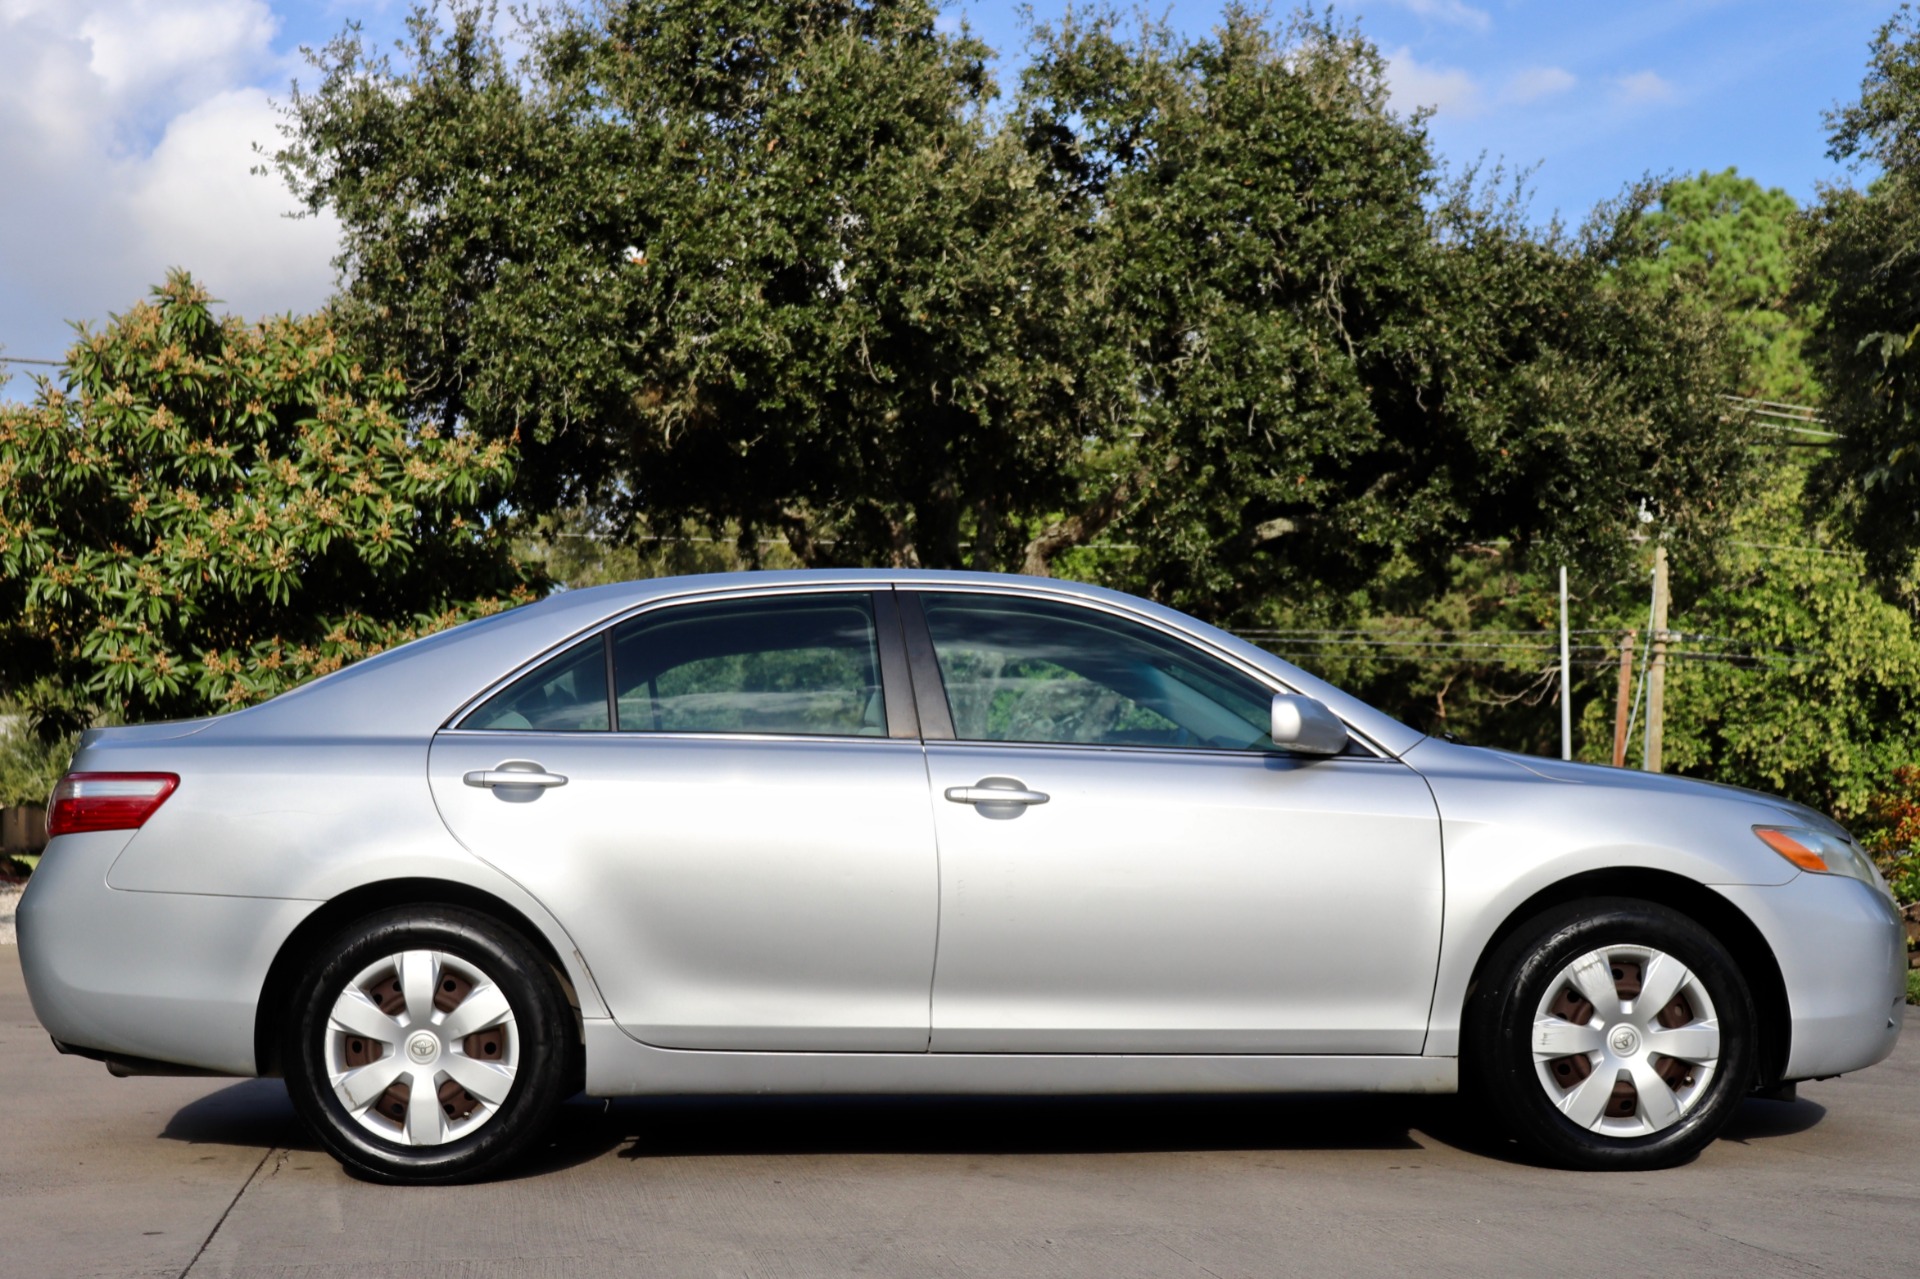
{"points": [[1302, 724]]}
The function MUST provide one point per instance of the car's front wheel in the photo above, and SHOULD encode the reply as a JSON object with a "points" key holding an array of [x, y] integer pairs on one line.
{"points": [[1612, 1034], [428, 1044]]}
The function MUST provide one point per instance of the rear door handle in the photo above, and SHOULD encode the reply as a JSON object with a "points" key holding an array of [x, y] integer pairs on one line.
{"points": [[508, 775], [995, 790]]}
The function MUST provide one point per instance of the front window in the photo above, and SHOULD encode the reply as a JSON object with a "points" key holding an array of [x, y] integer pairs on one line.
{"points": [[1024, 670]]}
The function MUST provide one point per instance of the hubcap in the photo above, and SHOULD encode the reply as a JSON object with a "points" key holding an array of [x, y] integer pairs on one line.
{"points": [[1625, 1041], [421, 1048]]}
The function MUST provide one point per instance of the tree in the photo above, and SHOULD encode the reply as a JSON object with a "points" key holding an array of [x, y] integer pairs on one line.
{"points": [[1807, 691], [199, 513], [777, 268], [1734, 238], [1322, 360], [1862, 269], [760, 263]]}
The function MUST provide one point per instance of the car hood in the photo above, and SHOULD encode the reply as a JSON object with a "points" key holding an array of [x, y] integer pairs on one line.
{"points": [[1603, 777]]}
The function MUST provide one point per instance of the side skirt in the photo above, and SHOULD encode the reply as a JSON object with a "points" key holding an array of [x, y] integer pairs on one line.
{"points": [[618, 1066]]}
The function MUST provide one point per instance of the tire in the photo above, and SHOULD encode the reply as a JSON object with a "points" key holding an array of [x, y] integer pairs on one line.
{"points": [[1564, 1042], [357, 1046]]}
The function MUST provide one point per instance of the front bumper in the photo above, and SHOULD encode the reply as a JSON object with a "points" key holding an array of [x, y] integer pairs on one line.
{"points": [[167, 977], [1843, 954]]}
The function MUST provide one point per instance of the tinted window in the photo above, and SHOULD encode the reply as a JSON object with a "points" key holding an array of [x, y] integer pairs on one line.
{"points": [[1034, 671], [567, 694], [785, 664]]}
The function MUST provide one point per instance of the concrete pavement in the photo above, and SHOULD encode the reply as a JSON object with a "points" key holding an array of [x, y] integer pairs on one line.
{"points": [[100, 1176]]}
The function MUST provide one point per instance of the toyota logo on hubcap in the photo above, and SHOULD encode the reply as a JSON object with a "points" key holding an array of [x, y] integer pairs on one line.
{"points": [[423, 1047], [1624, 1040]]}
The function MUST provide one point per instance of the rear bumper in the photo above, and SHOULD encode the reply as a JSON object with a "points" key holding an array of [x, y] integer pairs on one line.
{"points": [[1843, 954], [166, 978]]}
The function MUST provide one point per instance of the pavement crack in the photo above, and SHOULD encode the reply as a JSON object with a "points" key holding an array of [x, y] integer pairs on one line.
{"points": [[1800, 1264], [251, 1178], [1184, 1257]]}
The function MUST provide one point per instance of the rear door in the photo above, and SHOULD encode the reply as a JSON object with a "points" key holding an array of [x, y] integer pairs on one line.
{"points": [[726, 805]]}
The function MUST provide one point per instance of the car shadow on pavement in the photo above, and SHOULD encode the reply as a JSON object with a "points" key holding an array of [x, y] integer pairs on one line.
{"points": [[1756, 1120], [253, 1112], [257, 1112], [1452, 1121], [650, 1128]]}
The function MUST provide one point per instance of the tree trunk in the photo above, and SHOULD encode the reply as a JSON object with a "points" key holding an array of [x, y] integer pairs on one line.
{"points": [[1092, 520]]}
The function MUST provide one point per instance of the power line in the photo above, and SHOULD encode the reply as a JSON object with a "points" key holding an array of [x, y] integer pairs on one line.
{"points": [[1749, 661], [1368, 643], [1788, 419], [1777, 408], [21, 359], [1801, 430], [1782, 546], [1420, 632]]}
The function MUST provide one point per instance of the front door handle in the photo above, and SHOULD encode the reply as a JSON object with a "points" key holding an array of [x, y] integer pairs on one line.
{"points": [[995, 790], [514, 772]]}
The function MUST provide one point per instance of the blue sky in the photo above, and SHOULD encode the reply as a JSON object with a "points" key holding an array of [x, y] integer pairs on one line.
{"points": [[126, 126]]}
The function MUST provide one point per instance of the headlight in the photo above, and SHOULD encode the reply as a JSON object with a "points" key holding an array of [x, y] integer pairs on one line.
{"points": [[1822, 853]]}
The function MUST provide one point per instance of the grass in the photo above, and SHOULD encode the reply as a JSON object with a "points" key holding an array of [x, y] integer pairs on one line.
{"points": [[1913, 985]]}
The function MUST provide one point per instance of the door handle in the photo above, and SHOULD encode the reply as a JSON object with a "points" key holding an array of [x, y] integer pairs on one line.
{"points": [[507, 775], [1008, 791]]}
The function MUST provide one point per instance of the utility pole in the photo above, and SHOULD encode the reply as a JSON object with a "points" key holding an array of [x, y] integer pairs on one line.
{"points": [[1566, 682], [1657, 663], [1623, 700]]}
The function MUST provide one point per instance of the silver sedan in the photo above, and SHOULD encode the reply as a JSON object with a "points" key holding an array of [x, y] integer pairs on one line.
{"points": [[932, 833]]}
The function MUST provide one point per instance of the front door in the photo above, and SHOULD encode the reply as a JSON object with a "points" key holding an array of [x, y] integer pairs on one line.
{"points": [[720, 801], [1159, 878]]}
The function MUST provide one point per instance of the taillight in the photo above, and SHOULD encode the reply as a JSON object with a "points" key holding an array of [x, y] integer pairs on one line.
{"points": [[107, 801]]}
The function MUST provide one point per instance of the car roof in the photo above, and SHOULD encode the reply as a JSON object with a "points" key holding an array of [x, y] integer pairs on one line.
{"points": [[412, 690]]}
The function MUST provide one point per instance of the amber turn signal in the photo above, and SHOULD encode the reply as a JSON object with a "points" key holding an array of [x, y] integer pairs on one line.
{"points": [[1792, 849]]}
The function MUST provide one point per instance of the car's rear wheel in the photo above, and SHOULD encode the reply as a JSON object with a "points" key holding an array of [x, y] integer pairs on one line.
{"points": [[1612, 1034], [428, 1044]]}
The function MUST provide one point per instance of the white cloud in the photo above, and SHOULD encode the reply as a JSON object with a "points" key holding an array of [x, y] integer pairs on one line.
{"points": [[1454, 13], [1535, 83], [1414, 84], [1645, 86], [126, 132], [142, 45], [196, 204]]}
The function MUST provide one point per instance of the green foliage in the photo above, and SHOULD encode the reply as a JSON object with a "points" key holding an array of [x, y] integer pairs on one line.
{"points": [[201, 513], [1891, 832], [765, 264], [781, 271], [1902, 870], [29, 764], [1827, 706], [1473, 657], [1734, 239], [1862, 268], [1354, 368], [576, 548]]}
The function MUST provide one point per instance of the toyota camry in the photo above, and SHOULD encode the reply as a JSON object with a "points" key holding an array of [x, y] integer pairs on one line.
{"points": [[911, 832]]}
